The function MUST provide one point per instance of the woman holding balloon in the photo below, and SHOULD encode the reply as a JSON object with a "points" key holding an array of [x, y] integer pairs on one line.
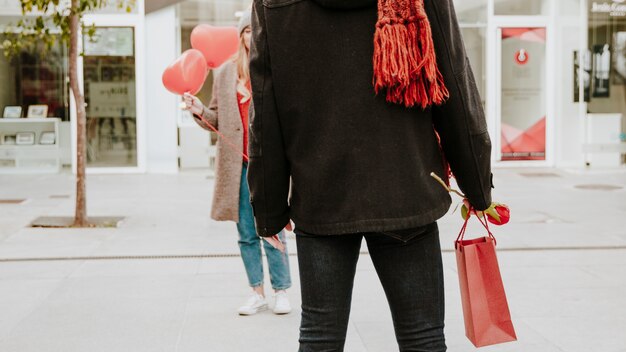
{"points": [[227, 114]]}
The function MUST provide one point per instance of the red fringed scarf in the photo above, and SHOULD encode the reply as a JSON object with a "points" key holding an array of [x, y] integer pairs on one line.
{"points": [[405, 64]]}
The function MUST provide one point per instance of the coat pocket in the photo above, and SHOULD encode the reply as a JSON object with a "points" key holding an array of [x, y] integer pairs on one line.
{"points": [[279, 3]]}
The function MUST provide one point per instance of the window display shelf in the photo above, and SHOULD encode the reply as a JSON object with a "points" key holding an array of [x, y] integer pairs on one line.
{"points": [[37, 152], [29, 120]]}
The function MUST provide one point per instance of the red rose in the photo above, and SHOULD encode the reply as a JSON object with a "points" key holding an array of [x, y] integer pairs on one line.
{"points": [[498, 214]]}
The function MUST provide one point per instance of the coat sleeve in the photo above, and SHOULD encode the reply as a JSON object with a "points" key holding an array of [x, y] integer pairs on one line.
{"points": [[268, 169], [460, 121], [210, 112]]}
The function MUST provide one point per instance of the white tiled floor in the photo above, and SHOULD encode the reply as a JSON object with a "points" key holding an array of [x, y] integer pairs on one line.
{"points": [[561, 300]]}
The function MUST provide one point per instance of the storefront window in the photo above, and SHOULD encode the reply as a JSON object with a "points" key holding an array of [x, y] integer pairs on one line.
{"points": [[607, 58], [475, 41], [471, 11], [109, 71], [606, 69], [522, 8], [523, 103], [568, 8], [472, 16], [34, 79]]}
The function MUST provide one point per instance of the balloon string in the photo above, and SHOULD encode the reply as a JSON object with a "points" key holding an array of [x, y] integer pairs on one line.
{"points": [[223, 138]]}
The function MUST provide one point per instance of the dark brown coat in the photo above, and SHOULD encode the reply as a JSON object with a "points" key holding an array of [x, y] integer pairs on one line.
{"points": [[358, 163]]}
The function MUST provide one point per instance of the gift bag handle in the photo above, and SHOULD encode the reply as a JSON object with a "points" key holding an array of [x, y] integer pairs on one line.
{"points": [[483, 221]]}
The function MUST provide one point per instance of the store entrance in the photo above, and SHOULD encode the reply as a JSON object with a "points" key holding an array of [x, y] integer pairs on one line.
{"points": [[109, 74], [522, 93]]}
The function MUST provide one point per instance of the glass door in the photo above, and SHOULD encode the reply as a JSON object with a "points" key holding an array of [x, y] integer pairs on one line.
{"points": [[112, 71], [109, 76], [522, 93]]}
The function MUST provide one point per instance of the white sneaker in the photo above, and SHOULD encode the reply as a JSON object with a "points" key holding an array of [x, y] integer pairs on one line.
{"points": [[256, 303], [282, 305]]}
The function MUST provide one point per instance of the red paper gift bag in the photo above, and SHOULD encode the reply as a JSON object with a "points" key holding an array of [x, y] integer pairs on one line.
{"points": [[485, 309]]}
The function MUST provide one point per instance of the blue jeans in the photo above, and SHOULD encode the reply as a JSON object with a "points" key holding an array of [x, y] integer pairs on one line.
{"points": [[408, 264], [250, 245]]}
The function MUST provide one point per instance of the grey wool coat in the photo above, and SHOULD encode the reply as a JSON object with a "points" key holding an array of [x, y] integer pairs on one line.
{"points": [[223, 113]]}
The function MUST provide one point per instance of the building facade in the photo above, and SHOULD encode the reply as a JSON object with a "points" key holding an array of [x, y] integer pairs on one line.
{"points": [[528, 58]]}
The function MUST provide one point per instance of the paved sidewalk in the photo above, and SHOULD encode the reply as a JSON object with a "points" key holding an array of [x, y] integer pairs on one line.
{"points": [[562, 258]]}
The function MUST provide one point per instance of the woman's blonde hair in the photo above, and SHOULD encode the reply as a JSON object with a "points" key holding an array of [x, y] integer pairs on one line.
{"points": [[242, 58]]}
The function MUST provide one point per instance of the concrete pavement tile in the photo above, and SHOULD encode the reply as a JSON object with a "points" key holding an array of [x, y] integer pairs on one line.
{"points": [[145, 229], [124, 288], [602, 333], [570, 235], [367, 283], [369, 302], [527, 339], [46, 249], [377, 336], [235, 266], [621, 232], [541, 258], [555, 235], [219, 286], [613, 275], [38, 270], [37, 243], [564, 259], [453, 308], [169, 214], [12, 222], [213, 325], [449, 261], [232, 265], [354, 343], [370, 307], [577, 303], [99, 325], [365, 264], [138, 267], [76, 235], [233, 282], [172, 245], [19, 297], [549, 277]]}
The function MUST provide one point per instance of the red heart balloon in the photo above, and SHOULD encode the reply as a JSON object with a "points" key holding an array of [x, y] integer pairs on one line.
{"points": [[186, 74], [217, 44]]}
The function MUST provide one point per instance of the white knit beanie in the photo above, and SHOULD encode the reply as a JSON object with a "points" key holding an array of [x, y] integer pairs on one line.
{"points": [[245, 20]]}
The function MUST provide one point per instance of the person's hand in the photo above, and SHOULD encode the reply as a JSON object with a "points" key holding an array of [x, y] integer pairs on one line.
{"points": [[497, 213], [289, 227], [275, 242], [465, 210], [193, 104]]}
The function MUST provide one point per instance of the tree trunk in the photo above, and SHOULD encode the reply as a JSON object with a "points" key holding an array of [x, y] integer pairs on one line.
{"points": [[80, 217]]}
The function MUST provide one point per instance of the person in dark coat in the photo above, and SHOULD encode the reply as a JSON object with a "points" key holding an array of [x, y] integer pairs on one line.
{"points": [[356, 102]]}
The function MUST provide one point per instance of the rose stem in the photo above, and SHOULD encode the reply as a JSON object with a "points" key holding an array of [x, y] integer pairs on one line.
{"points": [[446, 186]]}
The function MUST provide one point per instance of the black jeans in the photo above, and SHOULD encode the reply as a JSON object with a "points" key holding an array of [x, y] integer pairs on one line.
{"points": [[409, 266]]}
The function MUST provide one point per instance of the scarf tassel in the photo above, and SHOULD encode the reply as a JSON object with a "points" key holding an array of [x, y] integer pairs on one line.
{"points": [[405, 65]]}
